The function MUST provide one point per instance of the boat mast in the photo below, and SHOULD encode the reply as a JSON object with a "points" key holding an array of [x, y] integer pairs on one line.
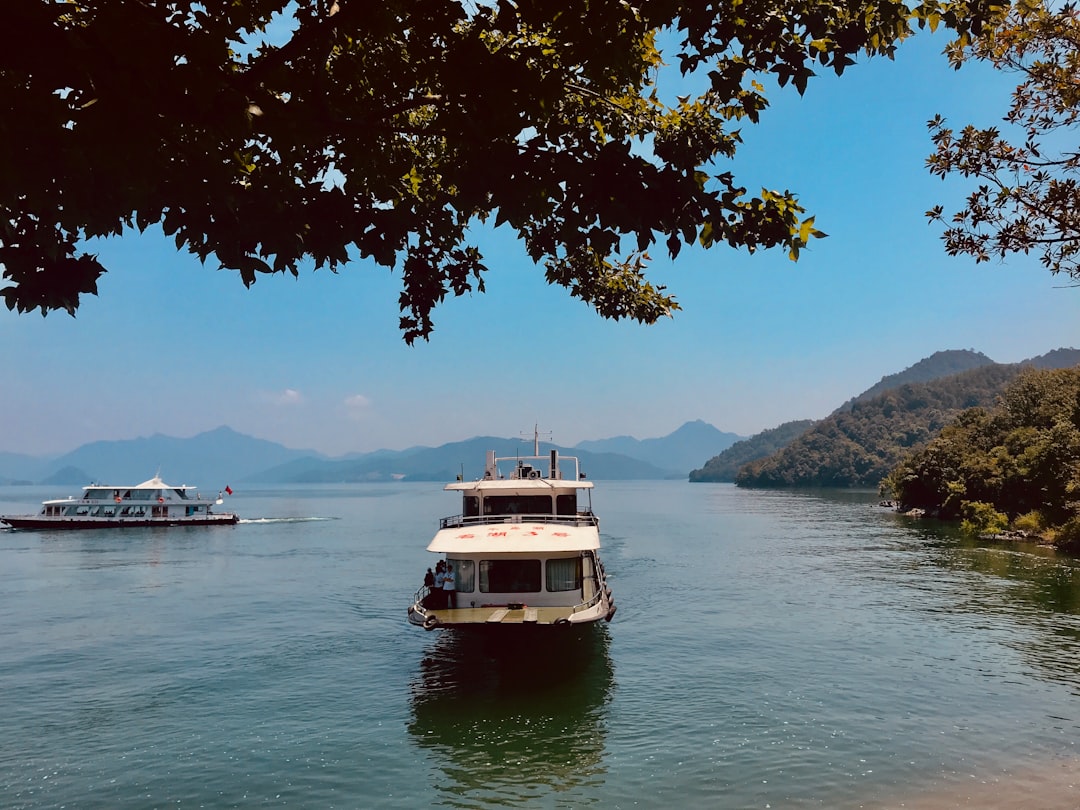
{"points": [[536, 439]]}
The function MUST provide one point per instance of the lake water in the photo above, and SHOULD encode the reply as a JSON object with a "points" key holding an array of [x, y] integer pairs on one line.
{"points": [[783, 650]]}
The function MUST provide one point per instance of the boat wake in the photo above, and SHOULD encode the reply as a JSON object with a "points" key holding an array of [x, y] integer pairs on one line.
{"points": [[286, 520]]}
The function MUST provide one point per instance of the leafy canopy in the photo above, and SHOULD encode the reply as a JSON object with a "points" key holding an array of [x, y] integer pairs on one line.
{"points": [[1028, 197], [386, 130]]}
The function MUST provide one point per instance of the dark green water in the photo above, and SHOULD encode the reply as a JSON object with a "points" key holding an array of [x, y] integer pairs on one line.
{"points": [[770, 650]]}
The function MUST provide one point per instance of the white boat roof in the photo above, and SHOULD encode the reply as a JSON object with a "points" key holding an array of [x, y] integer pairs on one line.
{"points": [[153, 483], [515, 538], [497, 484]]}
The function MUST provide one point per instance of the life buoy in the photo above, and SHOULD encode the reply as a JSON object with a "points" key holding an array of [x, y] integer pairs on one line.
{"points": [[161, 500], [118, 499], [430, 622]]}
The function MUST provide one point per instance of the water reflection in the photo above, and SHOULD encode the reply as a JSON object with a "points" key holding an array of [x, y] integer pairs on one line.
{"points": [[1028, 594], [508, 720]]}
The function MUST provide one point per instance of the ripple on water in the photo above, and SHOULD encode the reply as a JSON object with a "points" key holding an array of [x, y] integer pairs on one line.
{"points": [[770, 649]]}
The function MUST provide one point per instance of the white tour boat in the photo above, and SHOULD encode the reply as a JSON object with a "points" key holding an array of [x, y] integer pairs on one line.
{"points": [[523, 551], [151, 503]]}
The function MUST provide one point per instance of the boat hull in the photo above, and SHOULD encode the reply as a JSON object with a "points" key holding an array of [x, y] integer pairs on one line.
{"points": [[516, 616], [35, 522]]}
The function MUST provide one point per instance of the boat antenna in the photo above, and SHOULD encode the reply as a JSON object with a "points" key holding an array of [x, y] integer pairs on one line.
{"points": [[536, 438]]}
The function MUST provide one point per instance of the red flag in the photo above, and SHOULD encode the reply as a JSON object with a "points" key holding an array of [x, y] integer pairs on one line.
{"points": [[228, 490]]}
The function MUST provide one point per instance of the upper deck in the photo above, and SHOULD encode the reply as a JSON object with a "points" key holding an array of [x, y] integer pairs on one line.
{"points": [[529, 503], [524, 473]]}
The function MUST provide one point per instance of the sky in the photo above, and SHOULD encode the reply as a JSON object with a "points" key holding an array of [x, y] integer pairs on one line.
{"points": [[173, 347]]}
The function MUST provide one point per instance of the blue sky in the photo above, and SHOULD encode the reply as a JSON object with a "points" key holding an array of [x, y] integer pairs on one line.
{"points": [[171, 346]]}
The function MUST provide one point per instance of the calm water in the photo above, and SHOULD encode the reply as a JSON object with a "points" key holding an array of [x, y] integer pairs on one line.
{"points": [[770, 650]]}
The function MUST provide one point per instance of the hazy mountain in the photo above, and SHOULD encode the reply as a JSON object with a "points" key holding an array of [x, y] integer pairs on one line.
{"points": [[446, 462], [16, 468], [68, 476], [680, 451], [223, 456], [209, 460]]}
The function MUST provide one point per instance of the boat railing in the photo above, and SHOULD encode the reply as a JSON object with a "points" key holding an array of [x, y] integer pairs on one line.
{"points": [[423, 591], [578, 519], [592, 601]]}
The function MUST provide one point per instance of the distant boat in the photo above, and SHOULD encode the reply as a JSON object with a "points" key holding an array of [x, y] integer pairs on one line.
{"points": [[151, 503], [524, 551]]}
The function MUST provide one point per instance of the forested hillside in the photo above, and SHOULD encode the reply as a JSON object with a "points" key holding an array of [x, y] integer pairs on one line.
{"points": [[938, 365], [1017, 463], [726, 466], [858, 447]]}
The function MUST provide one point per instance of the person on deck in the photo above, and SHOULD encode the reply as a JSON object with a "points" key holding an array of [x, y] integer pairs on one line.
{"points": [[450, 587], [438, 595], [429, 586]]}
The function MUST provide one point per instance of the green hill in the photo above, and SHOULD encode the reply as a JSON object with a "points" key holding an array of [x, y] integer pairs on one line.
{"points": [[858, 447], [726, 465], [939, 364]]}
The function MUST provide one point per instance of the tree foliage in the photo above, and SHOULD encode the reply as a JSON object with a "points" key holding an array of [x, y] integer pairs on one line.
{"points": [[1028, 197], [1020, 458], [275, 134], [982, 519]]}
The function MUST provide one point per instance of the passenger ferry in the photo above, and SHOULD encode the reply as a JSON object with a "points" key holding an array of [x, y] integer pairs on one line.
{"points": [[524, 551], [151, 503]]}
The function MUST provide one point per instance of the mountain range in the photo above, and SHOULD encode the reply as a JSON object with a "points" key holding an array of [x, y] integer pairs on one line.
{"points": [[224, 456]]}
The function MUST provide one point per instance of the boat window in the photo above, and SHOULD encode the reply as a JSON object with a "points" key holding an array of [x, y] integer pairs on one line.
{"points": [[517, 505], [510, 576], [464, 575], [564, 574], [566, 504], [470, 506]]}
